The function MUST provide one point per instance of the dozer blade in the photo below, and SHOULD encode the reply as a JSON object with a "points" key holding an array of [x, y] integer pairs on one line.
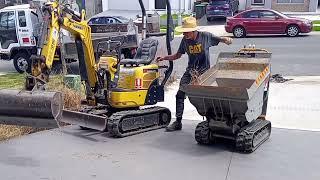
{"points": [[85, 120], [40, 109]]}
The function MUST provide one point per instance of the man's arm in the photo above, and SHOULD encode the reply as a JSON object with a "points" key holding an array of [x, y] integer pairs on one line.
{"points": [[170, 57], [214, 40], [175, 56], [226, 40]]}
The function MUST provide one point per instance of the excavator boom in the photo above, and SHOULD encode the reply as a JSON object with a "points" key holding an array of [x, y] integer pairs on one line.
{"points": [[33, 106]]}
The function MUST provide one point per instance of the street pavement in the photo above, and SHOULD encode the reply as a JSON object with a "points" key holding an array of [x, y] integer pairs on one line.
{"points": [[298, 56]]}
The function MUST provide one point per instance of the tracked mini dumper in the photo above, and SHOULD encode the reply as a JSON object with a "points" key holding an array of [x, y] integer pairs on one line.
{"points": [[233, 96]]}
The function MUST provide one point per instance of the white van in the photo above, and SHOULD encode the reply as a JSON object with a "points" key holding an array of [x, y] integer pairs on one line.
{"points": [[17, 40]]}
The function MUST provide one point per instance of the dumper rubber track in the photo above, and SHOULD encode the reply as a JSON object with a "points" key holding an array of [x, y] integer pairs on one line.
{"points": [[253, 135], [126, 123], [202, 133]]}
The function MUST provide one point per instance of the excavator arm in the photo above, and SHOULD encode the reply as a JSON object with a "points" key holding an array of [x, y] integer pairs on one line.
{"points": [[33, 106], [58, 17]]}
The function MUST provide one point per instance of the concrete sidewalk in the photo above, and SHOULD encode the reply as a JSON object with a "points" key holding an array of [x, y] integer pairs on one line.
{"points": [[306, 16], [217, 30], [73, 154]]}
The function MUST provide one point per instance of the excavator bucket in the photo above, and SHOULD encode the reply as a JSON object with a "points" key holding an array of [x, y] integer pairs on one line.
{"points": [[39, 109]]}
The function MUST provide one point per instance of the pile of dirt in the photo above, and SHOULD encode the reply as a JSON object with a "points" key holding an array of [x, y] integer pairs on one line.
{"points": [[72, 98], [277, 78], [8, 131], [195, 77]]}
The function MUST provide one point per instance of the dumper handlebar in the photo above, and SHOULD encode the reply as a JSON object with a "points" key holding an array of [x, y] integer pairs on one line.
{"points": [[250, 49]]}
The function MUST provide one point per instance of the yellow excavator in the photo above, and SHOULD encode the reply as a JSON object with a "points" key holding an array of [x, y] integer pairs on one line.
{"points": [[117, 90]]}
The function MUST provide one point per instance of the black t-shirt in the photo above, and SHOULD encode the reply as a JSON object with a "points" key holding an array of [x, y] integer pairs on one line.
{"points": [[198, 50]]}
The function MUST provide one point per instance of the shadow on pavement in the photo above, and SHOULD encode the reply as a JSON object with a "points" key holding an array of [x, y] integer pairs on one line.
{"points": [[183, 142]]}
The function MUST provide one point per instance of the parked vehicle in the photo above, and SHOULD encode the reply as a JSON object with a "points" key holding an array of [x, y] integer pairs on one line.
{"points": [[17, 38], [222, 8], [16, 35], [266, 21], [108, 20]]}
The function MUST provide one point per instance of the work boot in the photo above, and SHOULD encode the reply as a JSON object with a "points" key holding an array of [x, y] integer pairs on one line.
{"points": [[175, 126]]}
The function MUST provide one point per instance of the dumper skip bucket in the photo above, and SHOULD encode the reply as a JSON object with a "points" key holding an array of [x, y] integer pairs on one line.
{"points": [[236, 86]]}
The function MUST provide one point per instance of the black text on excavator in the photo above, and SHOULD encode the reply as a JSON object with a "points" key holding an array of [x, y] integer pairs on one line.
{"points": [[116, 89]]}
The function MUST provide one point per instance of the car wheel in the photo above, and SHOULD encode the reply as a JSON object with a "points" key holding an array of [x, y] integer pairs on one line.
{"points": [[293, 30], [22, 63], [239, 32], [209, 19]]}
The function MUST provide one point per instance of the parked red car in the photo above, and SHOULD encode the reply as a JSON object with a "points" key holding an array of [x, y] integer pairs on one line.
{"points": [[266, 21]]}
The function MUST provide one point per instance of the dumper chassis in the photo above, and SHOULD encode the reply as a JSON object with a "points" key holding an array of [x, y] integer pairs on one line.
{"points": [[233, 98]]}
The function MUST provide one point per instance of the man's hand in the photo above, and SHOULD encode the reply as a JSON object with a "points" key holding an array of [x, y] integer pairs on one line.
{"points": [[227, 40], [160, 59], [169, 57]]}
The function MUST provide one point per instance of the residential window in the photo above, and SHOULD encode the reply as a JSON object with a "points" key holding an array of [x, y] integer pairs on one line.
{"points": [[257, 2], [160, 4], [291, 1]]}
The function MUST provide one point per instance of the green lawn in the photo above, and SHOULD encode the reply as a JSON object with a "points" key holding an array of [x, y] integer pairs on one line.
{"points": [[174, 16], [316, 28], [16, 81], [12, 80]]}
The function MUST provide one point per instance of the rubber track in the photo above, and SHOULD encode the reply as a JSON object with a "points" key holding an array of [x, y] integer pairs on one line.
{"points": [[114, 121], [244, 139], [202, 133]]}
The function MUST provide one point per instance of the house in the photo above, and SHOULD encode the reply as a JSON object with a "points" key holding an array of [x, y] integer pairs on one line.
{"points": [[285, 5], [183, 6]]}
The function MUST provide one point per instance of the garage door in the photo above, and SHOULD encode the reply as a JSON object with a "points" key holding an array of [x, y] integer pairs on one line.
{"points": [[127, 4]]}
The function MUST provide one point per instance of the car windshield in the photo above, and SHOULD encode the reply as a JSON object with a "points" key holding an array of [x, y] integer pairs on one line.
{"points": [[218, 2], [122, 19]]}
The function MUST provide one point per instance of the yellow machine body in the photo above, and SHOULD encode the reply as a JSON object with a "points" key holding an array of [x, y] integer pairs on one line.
{"points": [[133, 85]]}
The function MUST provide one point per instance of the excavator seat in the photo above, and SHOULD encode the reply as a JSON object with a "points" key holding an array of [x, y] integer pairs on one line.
{"points": [[146, 53]]}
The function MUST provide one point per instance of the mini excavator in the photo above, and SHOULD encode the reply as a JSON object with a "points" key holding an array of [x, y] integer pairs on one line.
{"points": [[117, 90]]}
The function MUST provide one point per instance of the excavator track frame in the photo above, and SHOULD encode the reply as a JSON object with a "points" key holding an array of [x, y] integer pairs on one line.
{"points": [[138, 121]]}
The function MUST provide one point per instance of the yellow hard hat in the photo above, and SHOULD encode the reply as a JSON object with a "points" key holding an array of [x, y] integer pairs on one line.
{"points": [[189, 24]]}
